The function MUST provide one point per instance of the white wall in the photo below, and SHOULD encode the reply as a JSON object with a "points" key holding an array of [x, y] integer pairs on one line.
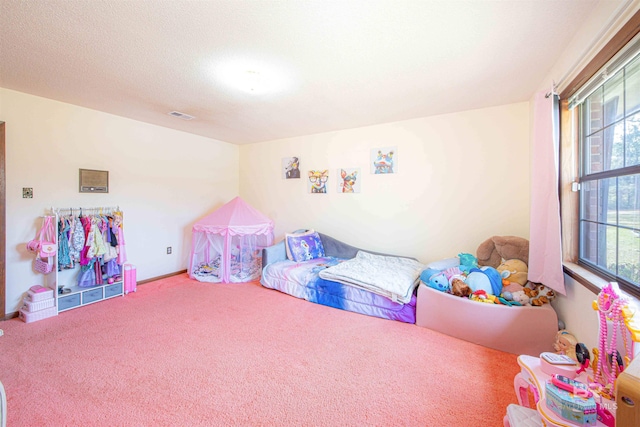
{"points": [[461, 179], [163, 180]]}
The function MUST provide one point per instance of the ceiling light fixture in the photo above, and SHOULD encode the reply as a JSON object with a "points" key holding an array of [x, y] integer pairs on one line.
{"points": [[256, 79]]}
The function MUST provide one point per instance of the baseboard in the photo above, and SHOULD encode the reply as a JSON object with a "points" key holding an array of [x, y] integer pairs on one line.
{"points": [[8, 316], [141, 282], [164, 276]]}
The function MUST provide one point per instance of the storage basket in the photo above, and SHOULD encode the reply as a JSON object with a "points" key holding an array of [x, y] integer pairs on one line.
{"points": [[32, 306], [28, 317], [39, 296]]}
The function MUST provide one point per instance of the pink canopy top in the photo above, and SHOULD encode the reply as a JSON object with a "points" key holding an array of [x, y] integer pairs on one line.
{"points": [[235, 218]]}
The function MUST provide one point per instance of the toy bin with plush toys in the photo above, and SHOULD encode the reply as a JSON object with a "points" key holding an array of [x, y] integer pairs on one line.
{"points": [[486, 298]]}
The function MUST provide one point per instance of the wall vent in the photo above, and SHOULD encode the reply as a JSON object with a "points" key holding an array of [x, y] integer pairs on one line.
{"points": [[180, 115]]}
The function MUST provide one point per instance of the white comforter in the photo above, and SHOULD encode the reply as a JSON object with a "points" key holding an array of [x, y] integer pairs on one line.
{"points": [[392, 277]]}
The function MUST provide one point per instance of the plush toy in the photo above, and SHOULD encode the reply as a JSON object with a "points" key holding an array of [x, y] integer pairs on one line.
{"points": [[543, 295], [460, 288], [487, 279], [530, 291], [513, 271], [520, 297], [435, 279], [512, 287], [492, 251], [467, 262]]}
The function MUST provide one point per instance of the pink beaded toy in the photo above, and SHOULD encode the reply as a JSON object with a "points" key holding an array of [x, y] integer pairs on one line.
{"points": [[611, 309]]}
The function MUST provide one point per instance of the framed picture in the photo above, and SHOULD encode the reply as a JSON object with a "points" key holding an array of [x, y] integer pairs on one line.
{"points": [[349, 180], [384, 160], [290, 167], [318, 181]]}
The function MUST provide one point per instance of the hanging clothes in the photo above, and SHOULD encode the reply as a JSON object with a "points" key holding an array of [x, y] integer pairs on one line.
{"points": [[98, 239], [98, 269], [87, 252], [76, 238], [95, 242], [122, 254], [64, 260]]}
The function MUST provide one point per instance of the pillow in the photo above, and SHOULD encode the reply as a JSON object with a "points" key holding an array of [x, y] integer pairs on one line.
{"points": [[303, 246]]}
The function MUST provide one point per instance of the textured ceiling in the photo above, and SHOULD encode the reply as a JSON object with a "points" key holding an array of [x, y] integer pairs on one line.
{"points": [[338, 64]]}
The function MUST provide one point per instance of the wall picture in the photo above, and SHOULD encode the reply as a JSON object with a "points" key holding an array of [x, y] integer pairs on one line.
{"points": [[318, 181], [349, 180], [384, 160], [290, 167]]}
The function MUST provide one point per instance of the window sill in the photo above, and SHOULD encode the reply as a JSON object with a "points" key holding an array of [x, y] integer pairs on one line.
{"points": [[590, 280]]}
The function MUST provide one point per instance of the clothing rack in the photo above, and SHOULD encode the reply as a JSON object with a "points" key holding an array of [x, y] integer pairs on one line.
{"points": [[96, 210]]}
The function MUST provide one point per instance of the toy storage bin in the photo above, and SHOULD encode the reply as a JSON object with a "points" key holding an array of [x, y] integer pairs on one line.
{"points": [[39, 296], [32, 306], [518, 330], [28, 317]]}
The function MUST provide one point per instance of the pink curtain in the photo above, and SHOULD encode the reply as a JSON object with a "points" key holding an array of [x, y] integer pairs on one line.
{"points": [[545, 245]]}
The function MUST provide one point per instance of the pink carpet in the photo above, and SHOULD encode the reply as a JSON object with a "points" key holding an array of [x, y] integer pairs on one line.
{"points": [[184, 353]]}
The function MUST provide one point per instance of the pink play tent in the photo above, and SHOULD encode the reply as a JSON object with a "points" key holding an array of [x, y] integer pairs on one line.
{"points": [[227, 244]]}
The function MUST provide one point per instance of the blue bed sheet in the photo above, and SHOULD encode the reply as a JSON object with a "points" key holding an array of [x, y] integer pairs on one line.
{"points": [[301, 279]]}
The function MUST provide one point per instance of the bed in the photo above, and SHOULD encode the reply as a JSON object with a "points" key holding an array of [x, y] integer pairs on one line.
{"points": [[302, 280]]}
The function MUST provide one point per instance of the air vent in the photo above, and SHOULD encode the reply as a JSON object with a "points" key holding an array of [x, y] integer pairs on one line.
{"points": [[180, 115]]}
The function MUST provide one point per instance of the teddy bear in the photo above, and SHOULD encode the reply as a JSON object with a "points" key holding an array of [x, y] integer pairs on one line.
{"points": [[513, 271], [492, 251]]}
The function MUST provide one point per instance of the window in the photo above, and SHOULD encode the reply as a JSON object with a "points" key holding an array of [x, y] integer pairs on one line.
{"points": [[609, 135]]}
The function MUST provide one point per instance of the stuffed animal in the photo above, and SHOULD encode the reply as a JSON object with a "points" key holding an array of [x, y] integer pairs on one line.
{"points": [[486, 278], [543, 295], [492, 251], [512, 287], [435, 279], [460, 288], [520, 297], [530, 291], [467, 262], [513, 271]]}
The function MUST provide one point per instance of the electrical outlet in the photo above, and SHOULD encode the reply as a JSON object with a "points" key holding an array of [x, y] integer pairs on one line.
{"points": [[168, 250]]}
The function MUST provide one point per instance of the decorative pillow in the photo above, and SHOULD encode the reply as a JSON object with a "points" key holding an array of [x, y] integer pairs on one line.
{"points": [[304, 246]]}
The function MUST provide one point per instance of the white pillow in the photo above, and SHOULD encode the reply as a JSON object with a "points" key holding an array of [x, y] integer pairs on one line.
{"points": [[443, 264]]}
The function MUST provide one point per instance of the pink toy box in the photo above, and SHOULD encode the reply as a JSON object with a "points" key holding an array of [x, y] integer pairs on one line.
{"points": [[518, 330]]}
